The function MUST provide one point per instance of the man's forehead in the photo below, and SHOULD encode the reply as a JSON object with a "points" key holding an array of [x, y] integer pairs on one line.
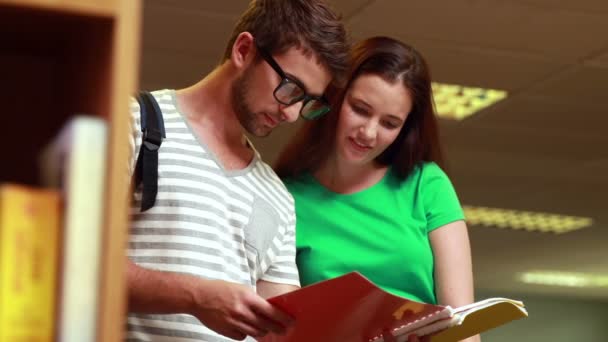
{"points": [[306, 67]]}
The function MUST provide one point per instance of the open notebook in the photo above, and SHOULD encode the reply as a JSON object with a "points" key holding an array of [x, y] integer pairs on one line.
{"points": [[352, 308]]}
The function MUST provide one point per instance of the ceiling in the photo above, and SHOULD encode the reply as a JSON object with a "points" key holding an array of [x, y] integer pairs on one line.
{"points": [[545, 148]]}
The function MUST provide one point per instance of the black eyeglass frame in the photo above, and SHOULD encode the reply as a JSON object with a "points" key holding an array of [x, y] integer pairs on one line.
{"points": [[305, 97]]}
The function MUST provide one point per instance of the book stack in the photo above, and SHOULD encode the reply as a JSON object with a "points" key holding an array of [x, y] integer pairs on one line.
{"points": [[29, 232], [75, 163], [50, 240]]}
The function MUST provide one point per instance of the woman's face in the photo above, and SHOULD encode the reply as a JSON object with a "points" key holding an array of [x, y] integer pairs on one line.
{"points": [[371, 117]]}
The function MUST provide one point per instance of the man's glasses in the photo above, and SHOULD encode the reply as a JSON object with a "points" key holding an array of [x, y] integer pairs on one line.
{"points": [[290, 91]]}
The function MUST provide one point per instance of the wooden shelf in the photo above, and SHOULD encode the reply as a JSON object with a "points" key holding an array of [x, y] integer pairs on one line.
{"points": [[60, 58], [96, 8], [54, 66]]}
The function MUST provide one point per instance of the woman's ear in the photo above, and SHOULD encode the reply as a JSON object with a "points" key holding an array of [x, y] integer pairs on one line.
{"points": [[243, 50]]}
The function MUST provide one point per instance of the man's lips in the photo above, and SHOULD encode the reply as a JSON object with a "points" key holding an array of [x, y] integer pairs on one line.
{"points": [[271, 120]]}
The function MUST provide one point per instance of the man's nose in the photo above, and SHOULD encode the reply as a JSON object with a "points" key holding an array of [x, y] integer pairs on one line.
{"points": [[292, 112]]}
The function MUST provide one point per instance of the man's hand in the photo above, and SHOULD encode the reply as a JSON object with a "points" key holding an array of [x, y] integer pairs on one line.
{"points": [[229, 309], [236, 311]]}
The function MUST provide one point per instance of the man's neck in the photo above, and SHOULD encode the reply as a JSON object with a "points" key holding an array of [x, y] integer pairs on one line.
{"points": [[208, 104]]}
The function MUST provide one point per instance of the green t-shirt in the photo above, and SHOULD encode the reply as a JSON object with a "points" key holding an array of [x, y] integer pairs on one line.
{"points": [[382, 231]]}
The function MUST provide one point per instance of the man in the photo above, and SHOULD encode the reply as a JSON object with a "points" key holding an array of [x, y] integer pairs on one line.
{"points": [[220, 237]]}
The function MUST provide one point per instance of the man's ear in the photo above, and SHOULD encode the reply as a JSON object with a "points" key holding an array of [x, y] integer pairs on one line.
{"points": [[243, 50]]}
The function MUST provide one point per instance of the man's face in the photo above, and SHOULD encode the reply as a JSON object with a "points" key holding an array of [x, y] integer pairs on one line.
{"points": [[252, 95]]}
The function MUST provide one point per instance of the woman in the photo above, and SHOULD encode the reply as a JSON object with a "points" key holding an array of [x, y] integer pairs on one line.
{"points": [[370, 193]]}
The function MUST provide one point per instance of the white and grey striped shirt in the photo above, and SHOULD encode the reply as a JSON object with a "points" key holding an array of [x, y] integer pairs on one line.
{"points": [[237, 226]]}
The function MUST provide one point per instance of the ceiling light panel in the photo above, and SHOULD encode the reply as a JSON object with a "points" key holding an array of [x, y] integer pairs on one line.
{"points": [[564, 279], [525, 220], [458, 102]]}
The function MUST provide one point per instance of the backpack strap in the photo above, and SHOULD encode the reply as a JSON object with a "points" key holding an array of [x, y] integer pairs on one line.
{"points": [[153, 129]]}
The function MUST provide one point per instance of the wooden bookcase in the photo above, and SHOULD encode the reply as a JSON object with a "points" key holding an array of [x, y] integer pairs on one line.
{"points": [[59, 58]]}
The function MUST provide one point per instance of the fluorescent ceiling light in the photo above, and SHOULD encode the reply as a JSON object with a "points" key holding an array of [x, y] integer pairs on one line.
{"points": [[564, 279], [457, 102], [526, 220]]}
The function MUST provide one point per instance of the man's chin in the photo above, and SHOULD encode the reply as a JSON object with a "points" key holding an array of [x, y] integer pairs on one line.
{"points": [[257, 130], [261, 132], [264, 134]]}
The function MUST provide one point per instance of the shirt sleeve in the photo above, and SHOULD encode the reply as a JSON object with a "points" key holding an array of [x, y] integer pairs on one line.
{"points": [[439, 197], [283, 269]]}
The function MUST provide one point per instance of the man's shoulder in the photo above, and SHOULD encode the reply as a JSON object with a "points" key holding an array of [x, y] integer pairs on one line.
{"points": [[165, 99], [165, 96], [267, 173]]}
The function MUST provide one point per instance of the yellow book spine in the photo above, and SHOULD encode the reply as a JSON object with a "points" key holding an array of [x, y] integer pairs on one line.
{"points": [[29, 245]]}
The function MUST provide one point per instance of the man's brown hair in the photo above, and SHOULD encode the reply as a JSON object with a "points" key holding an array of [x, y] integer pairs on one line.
{"points": [[310, 25]]}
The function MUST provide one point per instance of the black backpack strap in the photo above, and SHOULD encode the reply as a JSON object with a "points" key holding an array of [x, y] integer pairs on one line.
{"points": [[153, 129]]}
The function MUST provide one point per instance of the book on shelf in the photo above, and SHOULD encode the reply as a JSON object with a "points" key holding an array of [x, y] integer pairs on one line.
{"points": [[29, 235], [75, 163], [352, 308]]}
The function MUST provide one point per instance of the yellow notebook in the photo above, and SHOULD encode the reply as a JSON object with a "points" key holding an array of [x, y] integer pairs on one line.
{"points": [[29, 235], [480, 317]]}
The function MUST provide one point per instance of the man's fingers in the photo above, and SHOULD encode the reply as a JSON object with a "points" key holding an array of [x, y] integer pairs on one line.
{"points": [[269, 324], [259, 322], [272, 314], [233, 334], [249, 329]]}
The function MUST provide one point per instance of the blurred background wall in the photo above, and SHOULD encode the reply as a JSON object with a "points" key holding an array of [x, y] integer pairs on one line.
{"points": [[541, 152]]}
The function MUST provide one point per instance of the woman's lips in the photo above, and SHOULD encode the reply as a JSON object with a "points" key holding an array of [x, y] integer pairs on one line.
{"points": [[358, 146]]}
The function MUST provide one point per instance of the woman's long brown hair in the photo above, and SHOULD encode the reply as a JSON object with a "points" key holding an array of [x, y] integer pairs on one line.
{"points": [[418, 140]]}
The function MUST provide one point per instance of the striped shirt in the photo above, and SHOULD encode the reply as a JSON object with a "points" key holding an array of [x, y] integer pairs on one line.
{"points": [[236, 226]]}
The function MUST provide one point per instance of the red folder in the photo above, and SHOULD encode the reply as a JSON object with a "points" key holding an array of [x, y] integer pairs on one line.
{"points": [[348, 308]]}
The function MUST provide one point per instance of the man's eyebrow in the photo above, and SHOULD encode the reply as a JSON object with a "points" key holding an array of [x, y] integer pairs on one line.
{"points": [[297, 80], [300, 83]]}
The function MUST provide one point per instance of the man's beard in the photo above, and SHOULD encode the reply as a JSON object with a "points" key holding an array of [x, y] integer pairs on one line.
{"points": [[242, 109]]}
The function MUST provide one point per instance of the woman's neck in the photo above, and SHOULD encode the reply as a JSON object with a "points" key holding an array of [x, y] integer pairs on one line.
{"points": [[345, 178]]}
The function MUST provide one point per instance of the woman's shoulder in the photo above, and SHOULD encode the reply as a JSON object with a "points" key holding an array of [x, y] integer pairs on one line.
{"points": [[426, 174], [427, 169], [432, 169], [434, 176]]}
